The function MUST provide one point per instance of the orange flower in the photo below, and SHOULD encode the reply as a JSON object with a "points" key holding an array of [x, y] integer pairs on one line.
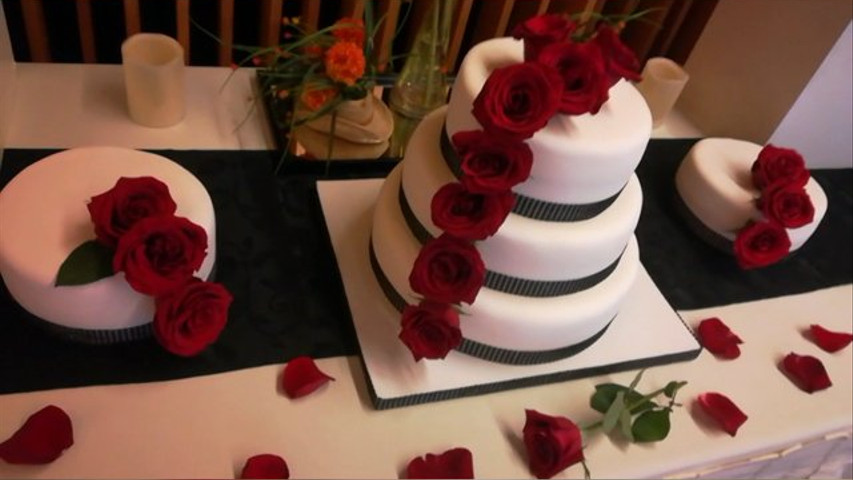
{"points": [[313, 51], [350, 30], [314, 99], [345, 62]]}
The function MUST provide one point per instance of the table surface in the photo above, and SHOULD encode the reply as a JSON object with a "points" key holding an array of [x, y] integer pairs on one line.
{"points": [[207, 426]]}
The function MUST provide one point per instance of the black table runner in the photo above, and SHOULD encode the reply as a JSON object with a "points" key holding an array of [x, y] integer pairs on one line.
{"points": [[275, 256]]}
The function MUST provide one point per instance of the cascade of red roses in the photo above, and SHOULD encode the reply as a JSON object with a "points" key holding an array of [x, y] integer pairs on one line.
{"points": [[559, 74], [781, 175]]}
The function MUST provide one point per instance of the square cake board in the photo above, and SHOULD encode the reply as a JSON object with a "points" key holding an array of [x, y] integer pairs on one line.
{"points": [[645, 333]]}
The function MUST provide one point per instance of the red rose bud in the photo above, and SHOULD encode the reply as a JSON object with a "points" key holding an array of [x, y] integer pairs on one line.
{"points": [[492, 164], [518, 100], [188, 320], [541, 30], [470, 216], [265, 465], [430, 330], [723, 411], [718, 338], [302, 376], [787, 204], [449, 270], [115, 211], [454, 463], [552, 443], [828, 340], [41, 439], [760, 244], [807, 372], [779, 165], [620, 61], [582, 69], [159, 254]]}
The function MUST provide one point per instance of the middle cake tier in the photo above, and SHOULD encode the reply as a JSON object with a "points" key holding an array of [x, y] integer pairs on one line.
{"points": [[503, 325]]}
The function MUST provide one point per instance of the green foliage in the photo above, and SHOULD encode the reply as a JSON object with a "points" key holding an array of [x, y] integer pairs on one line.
{"points": [[89, 262]]}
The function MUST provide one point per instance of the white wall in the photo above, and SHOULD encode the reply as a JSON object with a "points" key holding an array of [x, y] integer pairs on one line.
{"points": [[7, 80], [820, 122]]}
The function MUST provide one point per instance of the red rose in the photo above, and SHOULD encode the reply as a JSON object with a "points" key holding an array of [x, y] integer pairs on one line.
{"points": [[161, 253], [759, 244], [807, 372], [430, 330], [620, 61], [518, 100], [582, 68], [542, 30], [454, 463], [723, 411], [189, 319], [782, 165], [130, 200], [787, 204], [448, 269], [470, 216], [492, 163], [552, 443]]}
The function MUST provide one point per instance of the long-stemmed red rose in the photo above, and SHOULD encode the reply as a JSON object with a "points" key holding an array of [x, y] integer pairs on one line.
{"points": [[518, 100], [582, 69], [467, 215], [160, 254], [552, 443], [430, 329], [190, 318], [448, 269], [115, 211], [762, 243]]}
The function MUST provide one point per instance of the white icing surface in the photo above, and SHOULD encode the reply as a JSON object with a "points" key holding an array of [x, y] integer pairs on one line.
{"points": [[578, 158], [496, 318], [715, 182], [43, 217], [524, 247]]}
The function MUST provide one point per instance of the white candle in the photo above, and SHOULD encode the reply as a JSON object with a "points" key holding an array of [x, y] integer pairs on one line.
{"points": [[153, 67]]}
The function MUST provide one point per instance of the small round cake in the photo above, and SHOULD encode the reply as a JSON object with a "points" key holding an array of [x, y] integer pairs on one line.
{"points": [[44, 217]]}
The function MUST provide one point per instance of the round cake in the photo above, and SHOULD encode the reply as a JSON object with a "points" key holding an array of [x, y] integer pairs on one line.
{"points": [[44, 217]]}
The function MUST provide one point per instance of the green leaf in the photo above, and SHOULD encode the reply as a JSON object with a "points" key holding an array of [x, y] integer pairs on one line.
{"points": [[89, 262], [605, 393], [613, 413], [651, 426], [672, 387]]}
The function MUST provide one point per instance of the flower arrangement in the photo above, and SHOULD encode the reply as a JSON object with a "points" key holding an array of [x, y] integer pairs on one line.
{"points": [[781, 176], [563, 72], [138, 233]]}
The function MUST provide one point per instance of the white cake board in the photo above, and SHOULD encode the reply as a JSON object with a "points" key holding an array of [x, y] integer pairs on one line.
{"points": [[646, 332]]}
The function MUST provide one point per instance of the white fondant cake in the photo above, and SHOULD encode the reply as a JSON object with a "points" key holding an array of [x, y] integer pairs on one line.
{"points": [[578, 160], [43, 218], [715, 184]]}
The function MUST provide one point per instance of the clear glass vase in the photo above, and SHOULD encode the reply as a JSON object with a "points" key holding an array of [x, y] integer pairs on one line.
{"points": [[421, 85]]}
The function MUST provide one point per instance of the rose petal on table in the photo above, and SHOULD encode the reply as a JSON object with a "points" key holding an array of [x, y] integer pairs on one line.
{"points": [[807, 372], [301, 377], [718, 338], [829, 340], [41, 439], [454, 463], [265, 465], [723, 410]]}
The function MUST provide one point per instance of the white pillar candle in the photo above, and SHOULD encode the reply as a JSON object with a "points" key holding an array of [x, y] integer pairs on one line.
{"points": [[153, 67], [662, 83]]}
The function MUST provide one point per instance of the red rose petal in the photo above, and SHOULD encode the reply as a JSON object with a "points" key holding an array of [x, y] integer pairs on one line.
{"points": [[41, 439], [301, 377], [454, 463], [723, 410], [807, 372], [718, 338], [829, 340], [265, 465]]}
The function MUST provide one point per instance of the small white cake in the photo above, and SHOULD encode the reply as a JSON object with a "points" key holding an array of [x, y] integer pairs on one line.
{"points": [[715, 183], [44, 217]]}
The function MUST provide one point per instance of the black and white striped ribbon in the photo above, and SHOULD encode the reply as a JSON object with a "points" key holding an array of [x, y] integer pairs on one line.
{"points": [[508, 284], [528, 206]]}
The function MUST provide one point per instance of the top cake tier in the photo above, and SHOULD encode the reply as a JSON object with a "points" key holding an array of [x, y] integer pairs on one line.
{"points": [[578, 159]]}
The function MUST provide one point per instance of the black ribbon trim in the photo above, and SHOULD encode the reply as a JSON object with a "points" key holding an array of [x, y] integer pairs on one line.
{"points": [[482, 350], [506, 283], [528, 206]]}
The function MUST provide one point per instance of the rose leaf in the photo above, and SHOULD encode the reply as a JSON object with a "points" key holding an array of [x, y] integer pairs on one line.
{"points": [[89, 262], [672, 388], [651, 426], [613, 413], [605, 394]]}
